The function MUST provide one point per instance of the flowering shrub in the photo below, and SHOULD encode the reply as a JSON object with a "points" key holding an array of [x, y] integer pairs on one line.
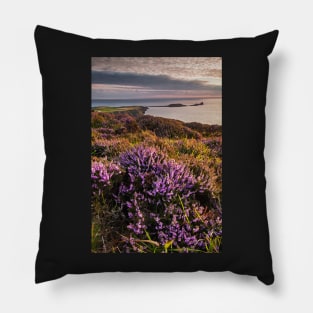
{"points": [[128, 122], [164, 127], [191, 147], [210, 169], [205, 130], [159, 196], [190, 228], [109, 148], [101, 176], [215, 145], [151, 172], [156, 184]]}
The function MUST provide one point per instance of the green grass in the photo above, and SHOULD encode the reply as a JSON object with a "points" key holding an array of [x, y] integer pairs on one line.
{"points": [[128, 109]]}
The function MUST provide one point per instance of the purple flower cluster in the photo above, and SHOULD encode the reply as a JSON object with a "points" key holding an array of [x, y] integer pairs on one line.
{"points": [[159, 196], [189, 229], [126, 119], [101, 176], [105, 132], [215, 144], [155, 175]]}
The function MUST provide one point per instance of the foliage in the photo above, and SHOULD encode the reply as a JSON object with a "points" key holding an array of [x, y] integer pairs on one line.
{"points": [[163, 127], [156, 185]]}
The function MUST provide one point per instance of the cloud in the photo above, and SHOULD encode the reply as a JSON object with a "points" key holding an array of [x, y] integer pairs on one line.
{"points": [[203, 68], [156, 82]]}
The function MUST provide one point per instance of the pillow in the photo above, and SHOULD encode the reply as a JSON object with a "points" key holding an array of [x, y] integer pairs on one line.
{"points": [[154, 155]]}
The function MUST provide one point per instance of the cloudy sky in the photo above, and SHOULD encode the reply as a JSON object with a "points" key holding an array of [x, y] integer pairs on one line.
{"points": [[151, 78]]}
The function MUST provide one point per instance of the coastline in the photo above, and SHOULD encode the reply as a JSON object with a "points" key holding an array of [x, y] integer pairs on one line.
{"points": [[204, 113]]}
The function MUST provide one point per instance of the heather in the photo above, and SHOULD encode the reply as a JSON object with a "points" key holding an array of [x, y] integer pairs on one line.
{"points": [[156, 184]]}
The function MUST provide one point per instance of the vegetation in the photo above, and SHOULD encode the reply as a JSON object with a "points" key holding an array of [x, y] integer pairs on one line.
{"points": [[156, 184], [133, 110]]}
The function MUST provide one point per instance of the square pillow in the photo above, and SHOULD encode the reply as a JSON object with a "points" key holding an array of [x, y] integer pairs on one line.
{"points": [[154, 155]]}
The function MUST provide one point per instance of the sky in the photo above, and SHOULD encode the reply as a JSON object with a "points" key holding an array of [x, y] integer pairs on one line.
{"points": [[156, 77]]}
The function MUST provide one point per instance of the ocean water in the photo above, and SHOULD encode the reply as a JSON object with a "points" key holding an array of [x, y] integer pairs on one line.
{"points": [[208, 113]]}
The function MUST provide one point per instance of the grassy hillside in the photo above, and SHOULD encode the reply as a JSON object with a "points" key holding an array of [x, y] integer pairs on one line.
{"points": [[156, 183], [132, 110]]}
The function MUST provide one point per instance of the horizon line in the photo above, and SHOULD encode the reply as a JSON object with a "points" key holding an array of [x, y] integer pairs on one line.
{"points": [[178, 98]]}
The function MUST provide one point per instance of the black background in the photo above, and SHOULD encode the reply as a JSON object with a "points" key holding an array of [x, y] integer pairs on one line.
{"points": [[65, 245]]}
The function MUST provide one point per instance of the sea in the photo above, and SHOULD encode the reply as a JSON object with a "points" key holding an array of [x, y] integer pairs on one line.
{"points": [[208, 113]]}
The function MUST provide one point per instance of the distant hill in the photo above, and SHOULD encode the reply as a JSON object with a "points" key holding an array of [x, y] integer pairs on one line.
{"points": [[132, 110], [178, 105], [196, 104], [175, 105]]}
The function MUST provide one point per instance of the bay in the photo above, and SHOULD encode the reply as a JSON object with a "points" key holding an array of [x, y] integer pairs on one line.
{"points": [[208, 113]]}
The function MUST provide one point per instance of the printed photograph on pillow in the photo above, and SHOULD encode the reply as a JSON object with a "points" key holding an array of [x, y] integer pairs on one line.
{"points": [[156, 155]]}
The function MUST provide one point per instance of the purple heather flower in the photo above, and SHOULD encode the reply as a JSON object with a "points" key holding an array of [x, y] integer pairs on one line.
{"points": [[159, 197], [101, 175]]}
